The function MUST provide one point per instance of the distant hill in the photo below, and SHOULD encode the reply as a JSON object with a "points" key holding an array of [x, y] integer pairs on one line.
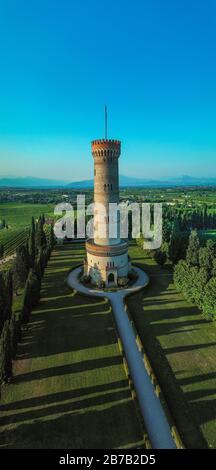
{"points": [[84, 184], [30, 182], [125, 181], [186, 180], [129, 181]]}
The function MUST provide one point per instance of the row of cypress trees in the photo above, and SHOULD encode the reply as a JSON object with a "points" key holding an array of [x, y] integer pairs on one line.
{"points": [[194, 263], [201, 217], [195, 276], [24, 280]]}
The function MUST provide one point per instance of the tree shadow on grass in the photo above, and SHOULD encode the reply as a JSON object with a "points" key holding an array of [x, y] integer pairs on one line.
{"points": [[100, 428], [67, 316], [204, 410], [153, 322], [48, 399], [70, 407], [195, 395], [64, 322], [65, 330], [76, 367], [197, 378], [189, 347]]}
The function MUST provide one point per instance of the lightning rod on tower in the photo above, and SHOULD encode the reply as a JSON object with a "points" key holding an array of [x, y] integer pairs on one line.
{"points": [[105, 122]]}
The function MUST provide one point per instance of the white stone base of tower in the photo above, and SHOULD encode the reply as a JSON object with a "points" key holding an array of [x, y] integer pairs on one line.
{"points": [[106, 264]]}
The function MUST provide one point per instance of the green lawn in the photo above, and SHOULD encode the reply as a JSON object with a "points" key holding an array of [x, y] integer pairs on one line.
{"points": [[207, 234], [182, 348], [70, 389]]}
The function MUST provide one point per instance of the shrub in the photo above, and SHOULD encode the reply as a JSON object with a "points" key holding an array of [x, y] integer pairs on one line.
{"points": [[160, 257], [100, 284], [132, 275], [122, 281]]}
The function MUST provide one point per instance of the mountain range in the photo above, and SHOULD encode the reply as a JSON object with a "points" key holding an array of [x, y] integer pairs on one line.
{"points": [[125, 181]]}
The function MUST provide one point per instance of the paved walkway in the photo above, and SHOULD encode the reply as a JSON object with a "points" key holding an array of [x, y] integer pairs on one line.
{"points": [[152, 411]]}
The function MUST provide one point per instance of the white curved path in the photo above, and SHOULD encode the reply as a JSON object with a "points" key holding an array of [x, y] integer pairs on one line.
{"points": [[152, 411]]}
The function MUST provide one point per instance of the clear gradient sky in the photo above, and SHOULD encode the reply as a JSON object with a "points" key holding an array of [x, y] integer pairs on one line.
{"points": [[153, 62]]}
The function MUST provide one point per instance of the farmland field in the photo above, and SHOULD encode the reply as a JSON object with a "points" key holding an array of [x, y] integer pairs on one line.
{"points": [[12, 239], [69, 388], [20, 214], [181, 345], [18, 219]]}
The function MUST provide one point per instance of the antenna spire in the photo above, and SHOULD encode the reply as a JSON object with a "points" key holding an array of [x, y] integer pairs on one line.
{"points": [[105, 121]]}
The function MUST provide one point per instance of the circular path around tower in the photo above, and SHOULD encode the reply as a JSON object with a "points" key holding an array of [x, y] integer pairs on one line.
{"points": [[152, 411]]}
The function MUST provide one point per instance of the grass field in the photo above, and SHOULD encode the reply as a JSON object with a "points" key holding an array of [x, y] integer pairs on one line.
{"points": [[182, 348], [207, 234], [19, 214], [70, 389]]}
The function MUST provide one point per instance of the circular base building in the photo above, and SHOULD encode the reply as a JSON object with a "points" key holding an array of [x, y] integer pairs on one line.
{"points": [[108, 264], [107, 256]]}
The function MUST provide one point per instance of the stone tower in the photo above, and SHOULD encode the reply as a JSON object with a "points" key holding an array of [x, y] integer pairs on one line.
{"points": [[107, 257]]}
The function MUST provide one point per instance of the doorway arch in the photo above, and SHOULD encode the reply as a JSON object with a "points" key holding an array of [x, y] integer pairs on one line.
{"points": [[111, 278]]}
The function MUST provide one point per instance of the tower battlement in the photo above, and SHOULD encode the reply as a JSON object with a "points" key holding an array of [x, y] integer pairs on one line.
{"points": [[106, 147], [106, 142]]}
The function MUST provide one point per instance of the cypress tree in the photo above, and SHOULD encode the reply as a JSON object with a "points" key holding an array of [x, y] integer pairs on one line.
{"points": [[1, 251], [199, 283], [211, 247], [192, 254], [209, 299], [3, 297], [52, 237], [5, 354], [9, 294], [6, 296], [166, 230], [14, 337], [40, 237], [177, 244], [160, 257], [213, 271], [205, 258], [26, 310], [31, 244], [21, 266]]}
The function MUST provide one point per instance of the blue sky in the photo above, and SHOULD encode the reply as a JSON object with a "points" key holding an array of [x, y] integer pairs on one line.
{"points": [[152, 62]]}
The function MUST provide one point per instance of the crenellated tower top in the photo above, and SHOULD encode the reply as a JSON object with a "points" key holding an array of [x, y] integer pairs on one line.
{"points": [[106, 148]]}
